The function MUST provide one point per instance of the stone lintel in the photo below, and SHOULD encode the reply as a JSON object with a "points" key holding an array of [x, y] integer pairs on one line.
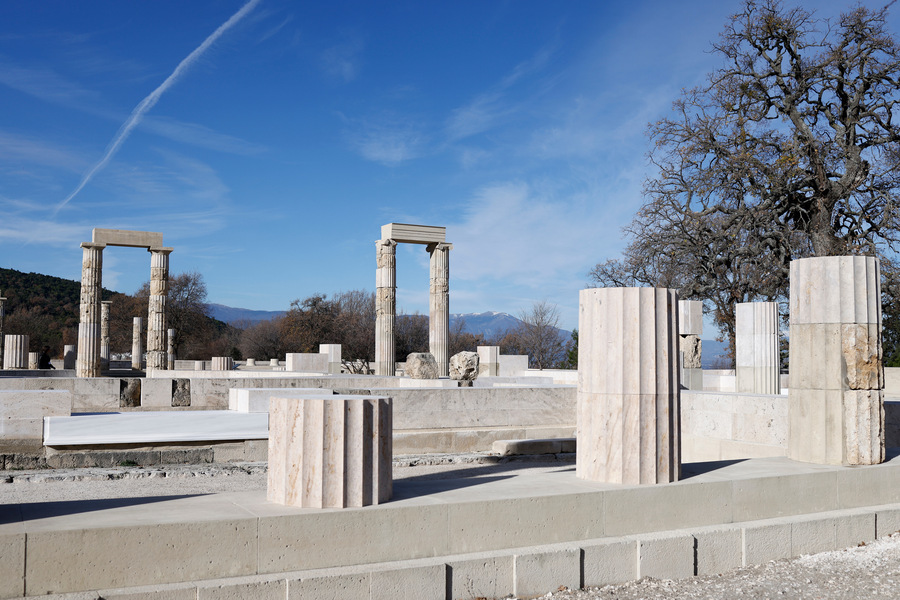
{"points": [[430, 247], [414, 234], [93, 245], [124, 237]]}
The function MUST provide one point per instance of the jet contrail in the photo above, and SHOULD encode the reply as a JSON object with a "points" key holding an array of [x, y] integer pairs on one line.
{"points": [[147, 103]]}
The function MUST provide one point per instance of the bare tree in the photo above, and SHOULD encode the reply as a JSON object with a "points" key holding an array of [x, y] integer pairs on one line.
{"points": [[539, 336], [790, 151]]}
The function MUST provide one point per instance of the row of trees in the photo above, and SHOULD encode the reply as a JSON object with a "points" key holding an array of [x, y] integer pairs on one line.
{"points": [[348, 318], [792, 149]]}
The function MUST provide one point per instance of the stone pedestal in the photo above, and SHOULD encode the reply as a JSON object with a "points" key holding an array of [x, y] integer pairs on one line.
{"points": [[488, 361], [137, 349], [690, 328], [69, 356], [439, 306], [34, 360], [332, 452], [104, 333], [156, 319], [333, 352], [251, 362], [757, 357], [222, 363], [15, 353], [385, 306], [628, 386], [88, 362], [836, 413], [273, 362], [171, 350]]}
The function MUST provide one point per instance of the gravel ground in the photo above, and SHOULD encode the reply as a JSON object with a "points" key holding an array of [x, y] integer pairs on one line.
{"points": [[870, 571]]}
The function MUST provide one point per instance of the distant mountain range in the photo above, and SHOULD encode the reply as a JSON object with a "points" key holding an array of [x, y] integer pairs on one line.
{"points": [[237, 316]]}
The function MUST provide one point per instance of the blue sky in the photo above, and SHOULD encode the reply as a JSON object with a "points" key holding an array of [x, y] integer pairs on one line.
{"points": [[269, 141]]}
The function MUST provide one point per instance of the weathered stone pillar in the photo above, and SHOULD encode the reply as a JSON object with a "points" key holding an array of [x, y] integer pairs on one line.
{"points": [[488, 361], [171, 361], [690, 328], [88, 362], [385, 306], [104, 334], [34, 360], [2, 314], [757, 358], [439, 306], [836, 412], [16, 354], [137, 346], [330, 452], [156, 318], [628, 386], [69, 354]]}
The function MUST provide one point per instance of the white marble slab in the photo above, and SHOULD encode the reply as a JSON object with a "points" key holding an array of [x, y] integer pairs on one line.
{"points": [[155, 427]]}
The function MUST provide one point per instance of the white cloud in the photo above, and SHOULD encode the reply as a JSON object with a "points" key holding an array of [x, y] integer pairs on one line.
{"points": [[389, 142], [200, 136], [343, 61]]}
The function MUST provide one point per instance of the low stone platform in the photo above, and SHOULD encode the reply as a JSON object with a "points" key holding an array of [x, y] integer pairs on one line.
{"points": [[450, 538]]}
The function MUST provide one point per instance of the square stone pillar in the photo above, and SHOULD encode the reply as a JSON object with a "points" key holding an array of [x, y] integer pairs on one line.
{"points": [[104, 333], [157, 359], [330, 452], [835, 409], [488, 361], [628, 408], [15, 355], [333, 352], [88, 362], [757, 356], [690, 324], [439, 306], [385, 306], [137, 346], [69, 354]]}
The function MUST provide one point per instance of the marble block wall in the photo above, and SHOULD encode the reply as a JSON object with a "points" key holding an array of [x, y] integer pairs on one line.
{"points": [[628, 386], [330, 452], [836, 391], [757, 357], [15, 352]]}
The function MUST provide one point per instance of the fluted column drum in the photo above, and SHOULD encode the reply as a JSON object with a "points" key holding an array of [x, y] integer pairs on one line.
{"points": [[757, 356], [222, 363], [628, 386], [439, 307], [330, 452], [34, 360], [836, 411], [385, 306], [156, 318], [88, 362], [15, 351]]}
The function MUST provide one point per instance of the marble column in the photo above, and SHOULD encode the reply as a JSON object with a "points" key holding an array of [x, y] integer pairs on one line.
{"points": [[385, 306], [171, 361], [757, 357], [16, 354], [104, 334], [835, 408], [88, 361], [628, 406], [330, 452], [2, 314], [156, 318], [137, 346], [34, 361], [69, 354], [690, 328], [222, 363], [439, 306]]}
